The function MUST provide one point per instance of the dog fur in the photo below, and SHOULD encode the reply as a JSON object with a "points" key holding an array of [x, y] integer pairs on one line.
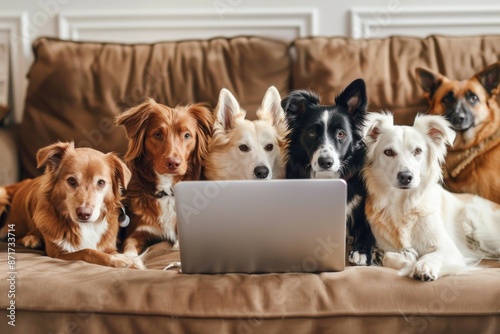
{"points": [[424, 230], [473, 110], [325, 141], [72, 209], [241, 149], [165, 146]]}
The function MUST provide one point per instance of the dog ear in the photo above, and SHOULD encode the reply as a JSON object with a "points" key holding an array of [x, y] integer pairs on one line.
{"points": [[375, 123], [134, 120], [429, 81], [121, 174], [134, 117], [205, 124], [271, 106], [490, 78], [353, 97], [296, 103], [438, 129], [227, 109], [52, 155]]}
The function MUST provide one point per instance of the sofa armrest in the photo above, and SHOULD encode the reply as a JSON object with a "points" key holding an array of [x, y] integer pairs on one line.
{"points": [[9, 166]]}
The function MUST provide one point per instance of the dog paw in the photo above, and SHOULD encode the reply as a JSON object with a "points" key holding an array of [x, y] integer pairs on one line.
{"points": [[410, 254], [31, 241], [425, 271], [122, 261], [137, 261], [176, 245], [400, 260], [358, 259]]}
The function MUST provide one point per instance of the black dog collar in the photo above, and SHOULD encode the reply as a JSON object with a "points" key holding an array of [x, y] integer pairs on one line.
{"points": [[163, 193]]}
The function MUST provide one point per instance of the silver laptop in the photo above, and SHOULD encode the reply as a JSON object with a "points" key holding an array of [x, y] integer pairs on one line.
{"points": [[261, 226]]}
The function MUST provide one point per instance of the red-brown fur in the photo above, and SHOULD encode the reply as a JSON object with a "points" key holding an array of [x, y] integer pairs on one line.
{"points": [[480, 175], [43, 209], [156, 135]]}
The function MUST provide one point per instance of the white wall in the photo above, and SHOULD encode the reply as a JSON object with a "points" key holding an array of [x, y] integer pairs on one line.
{"points": [[21, 21]]}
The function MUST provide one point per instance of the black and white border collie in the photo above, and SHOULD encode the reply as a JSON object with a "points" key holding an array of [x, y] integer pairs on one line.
{"points": [[325, 141]]}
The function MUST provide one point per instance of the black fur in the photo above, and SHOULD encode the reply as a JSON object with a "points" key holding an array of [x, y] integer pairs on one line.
{"points": [[304, 115]]}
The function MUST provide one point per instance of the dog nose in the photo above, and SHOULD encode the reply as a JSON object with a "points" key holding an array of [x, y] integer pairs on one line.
{"points": [[405, 178], [261, 172], [325, 163], [458, 117], [173, 163], [84, 213]]}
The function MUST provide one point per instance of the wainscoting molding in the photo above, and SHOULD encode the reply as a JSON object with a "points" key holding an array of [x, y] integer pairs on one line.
{"points": [[133, 26], [14, 34], [398, 19]]}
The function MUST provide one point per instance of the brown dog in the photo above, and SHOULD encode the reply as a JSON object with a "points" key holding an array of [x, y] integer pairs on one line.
{"points": [[72, 209], [166, 145], [472, 108]]}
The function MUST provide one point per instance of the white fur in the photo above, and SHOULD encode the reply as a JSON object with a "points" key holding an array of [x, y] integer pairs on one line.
{"points": [[426, 219], [90, 235], [168, 217], [226, 161], [358, 258], [325, 150], [98, 205]]}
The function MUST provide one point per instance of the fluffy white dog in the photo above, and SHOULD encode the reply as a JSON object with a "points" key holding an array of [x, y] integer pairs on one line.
{"points": [[241, 149], [424, 231]]}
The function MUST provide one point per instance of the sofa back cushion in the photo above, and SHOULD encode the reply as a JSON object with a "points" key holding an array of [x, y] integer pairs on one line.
{"points": [[328, 64], [77, 88]]}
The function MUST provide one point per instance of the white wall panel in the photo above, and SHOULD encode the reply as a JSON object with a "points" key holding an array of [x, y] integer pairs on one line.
{"points": [[132, 21], [15, 41], [149, 26], [373, 22]]}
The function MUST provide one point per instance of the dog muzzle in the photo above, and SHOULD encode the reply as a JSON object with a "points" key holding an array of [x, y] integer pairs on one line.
{"points": [[460, 118]]}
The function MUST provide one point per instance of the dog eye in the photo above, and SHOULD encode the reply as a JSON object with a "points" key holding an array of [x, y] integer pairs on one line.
{"points": [[472, 98], [341, 134], [187, 136], [311, 133], [417, 151], [101, 183], [269, 147], [244, 148], [389, 152], [447, 99], [158, 135], [72, 181]]}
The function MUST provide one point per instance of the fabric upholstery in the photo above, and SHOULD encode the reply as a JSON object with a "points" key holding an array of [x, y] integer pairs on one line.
{"points": [[327, 64], [97, 299], [76, 89]]}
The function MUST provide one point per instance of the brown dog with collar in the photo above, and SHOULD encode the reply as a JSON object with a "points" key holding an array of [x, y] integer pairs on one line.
{"points": [[472, 108]]}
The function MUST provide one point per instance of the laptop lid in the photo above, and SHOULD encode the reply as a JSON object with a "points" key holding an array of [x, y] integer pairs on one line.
{"points": [[261, 226]]}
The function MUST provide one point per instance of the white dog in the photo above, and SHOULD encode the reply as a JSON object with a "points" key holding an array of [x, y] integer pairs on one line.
{"points": [[245, 150], [424, 230]]}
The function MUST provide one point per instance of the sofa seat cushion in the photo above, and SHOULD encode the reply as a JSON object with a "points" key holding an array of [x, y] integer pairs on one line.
{"points": [[52, 294], [77, 88], [328, 64]]}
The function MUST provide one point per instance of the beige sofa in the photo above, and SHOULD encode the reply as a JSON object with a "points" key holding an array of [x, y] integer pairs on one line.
{"points": [[76, 89]]}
